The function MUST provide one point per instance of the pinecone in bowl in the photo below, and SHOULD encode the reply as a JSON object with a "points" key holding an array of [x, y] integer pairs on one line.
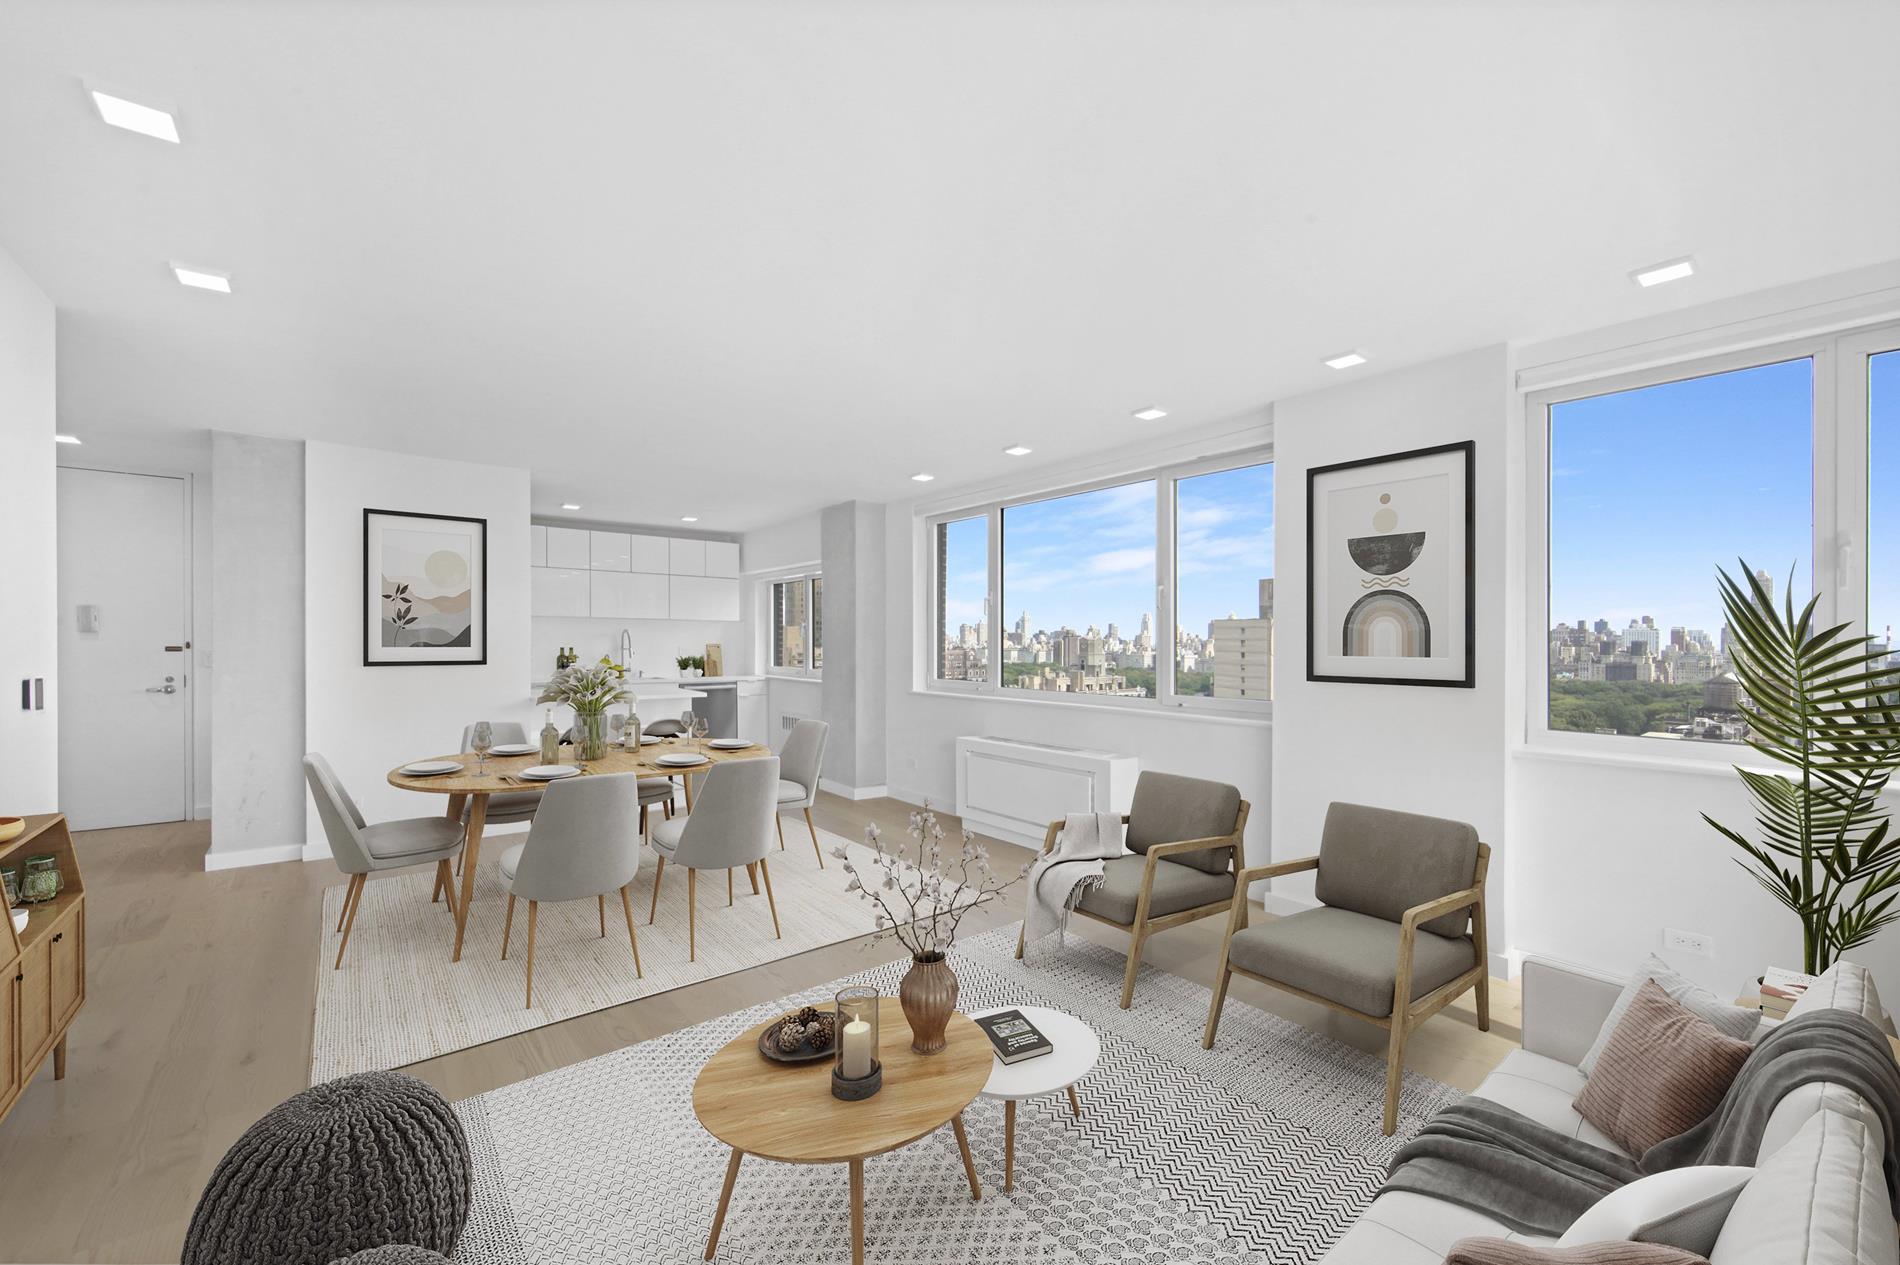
{"points": [[791, 1034], [822, 1032], [807, 1016]]}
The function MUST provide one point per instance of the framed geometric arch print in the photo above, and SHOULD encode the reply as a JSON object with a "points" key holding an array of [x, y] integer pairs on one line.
{"points": [[1389, 562]]}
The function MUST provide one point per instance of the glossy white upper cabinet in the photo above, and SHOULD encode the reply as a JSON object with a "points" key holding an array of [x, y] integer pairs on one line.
{"points": [[722, 558], [608, 550], [537, 545], [628, 595], [569, 547], [688, 557], [704, 597], [649, 554], [560, 591]]}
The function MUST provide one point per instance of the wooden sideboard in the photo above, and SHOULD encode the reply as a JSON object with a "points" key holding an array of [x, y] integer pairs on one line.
{"points": [[42, 968]]}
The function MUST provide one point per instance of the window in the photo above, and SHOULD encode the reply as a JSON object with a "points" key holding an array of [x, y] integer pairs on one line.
{"points": [[797, 626], [1654, 480], [1066, 596], [1223, 583]]}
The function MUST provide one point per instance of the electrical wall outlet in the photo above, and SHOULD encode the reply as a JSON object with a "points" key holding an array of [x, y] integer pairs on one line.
{"points": [[1689, 942]]}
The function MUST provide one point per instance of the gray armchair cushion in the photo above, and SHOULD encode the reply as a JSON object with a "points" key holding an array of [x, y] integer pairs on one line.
{"points": [[412, 839], [1346, 957], [1169, 808], [1177, 887], [790, 792], [1379, 862], [666, 832]]}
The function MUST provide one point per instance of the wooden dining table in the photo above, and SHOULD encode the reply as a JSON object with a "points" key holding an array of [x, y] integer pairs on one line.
{"points": [[471, 788]]}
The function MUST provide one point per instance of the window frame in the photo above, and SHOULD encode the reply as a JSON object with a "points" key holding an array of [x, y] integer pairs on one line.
{"points": [[1838, 430], [769, 603], [1165, 477]]}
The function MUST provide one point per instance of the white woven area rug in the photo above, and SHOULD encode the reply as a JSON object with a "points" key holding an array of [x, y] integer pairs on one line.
{"points": [[1261, 1150], [399, 999]]}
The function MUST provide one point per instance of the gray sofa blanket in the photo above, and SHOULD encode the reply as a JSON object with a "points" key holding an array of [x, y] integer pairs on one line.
{"points": [[1484, 1156]]}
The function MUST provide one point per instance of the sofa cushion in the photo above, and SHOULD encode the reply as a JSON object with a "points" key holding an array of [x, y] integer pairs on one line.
{"points": [[1820, 1200], [1379, 862], [1662, 1072], [1617, 1252], [1403, 1228], [1169, 808], [1177, 887], [1545, 1089], [1346, 957], [1800, 1103], [1843, 986], [1729, 1020], [1682, 1207]]}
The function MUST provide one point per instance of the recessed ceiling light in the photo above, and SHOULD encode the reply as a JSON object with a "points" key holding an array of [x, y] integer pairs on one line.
{"points": [[1346, 361], [1017, 451], [1151, 414], [570, 506], [67, 439], [1668, 270], [133, 117], [199, 279], [922, 478], [688, 518]]}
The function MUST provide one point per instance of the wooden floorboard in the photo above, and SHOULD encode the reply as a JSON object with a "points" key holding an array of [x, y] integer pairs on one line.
{"points": [[199, 1012]]}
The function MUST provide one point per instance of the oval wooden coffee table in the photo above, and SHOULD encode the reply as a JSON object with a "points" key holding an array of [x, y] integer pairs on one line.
{"points": [[786, 1112]]}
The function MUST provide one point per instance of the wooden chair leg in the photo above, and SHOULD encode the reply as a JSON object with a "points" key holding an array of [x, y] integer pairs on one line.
{"points": [[507, 926], [626, 907], [448, 884], [435, 894], [1138, 936], [643, 821], [601, 900], [814, 839], [692, 914], [1020, 933], [780, 823], [1009, 1145], [351, 900], [533, 908], [657, 876], [1484, 967], [1394, 1072], [1075, 1104], [728, 887], [1219, 1000], [767, 875]]}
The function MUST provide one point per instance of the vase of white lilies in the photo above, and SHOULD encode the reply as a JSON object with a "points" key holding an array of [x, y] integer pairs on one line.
{"points": [[590, 691], [922, 895]]}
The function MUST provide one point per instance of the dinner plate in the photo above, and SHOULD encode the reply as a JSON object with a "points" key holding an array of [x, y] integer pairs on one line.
{"points": [[513, 748], [729, 744], [431, 768], [647, 740], [680, 760], [549, 772]]}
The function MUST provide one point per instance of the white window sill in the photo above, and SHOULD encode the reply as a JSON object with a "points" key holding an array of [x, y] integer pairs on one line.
{"points": [[1207, 715], [1747, 757], [772, 674]]}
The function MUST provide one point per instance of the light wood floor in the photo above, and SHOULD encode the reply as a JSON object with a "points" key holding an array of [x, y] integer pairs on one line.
{"points": [[198, 1020]]}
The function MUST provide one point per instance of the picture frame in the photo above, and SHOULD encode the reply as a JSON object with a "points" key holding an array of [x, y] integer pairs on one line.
{"points": [[425, 589], [1391, 559]]}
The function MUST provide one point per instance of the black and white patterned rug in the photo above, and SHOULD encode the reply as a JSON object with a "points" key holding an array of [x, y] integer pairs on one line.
{"points": [[1263, 1149]]}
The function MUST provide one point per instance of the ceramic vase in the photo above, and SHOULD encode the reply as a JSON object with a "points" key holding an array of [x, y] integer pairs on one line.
{"points": [[929, 997]]}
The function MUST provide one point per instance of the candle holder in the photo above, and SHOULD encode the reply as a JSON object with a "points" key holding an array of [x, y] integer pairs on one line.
{"points": [[856, 1073]]}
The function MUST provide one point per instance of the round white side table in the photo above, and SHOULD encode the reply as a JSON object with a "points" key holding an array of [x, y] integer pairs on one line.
{"points": [[1074, 1056]]}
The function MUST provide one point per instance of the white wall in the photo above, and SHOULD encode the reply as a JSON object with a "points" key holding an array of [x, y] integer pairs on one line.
{"points": [[853, 692], [1440, 751], [369, 720], [29, 641], [257, 611]]}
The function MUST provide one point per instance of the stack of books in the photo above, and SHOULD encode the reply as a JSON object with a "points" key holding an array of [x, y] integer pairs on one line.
{"points": [[1780, 989]]}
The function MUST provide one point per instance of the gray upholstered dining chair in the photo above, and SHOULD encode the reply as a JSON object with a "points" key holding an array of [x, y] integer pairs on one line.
{"points": [[508, 806], [1184, 839], [1397, 936], [582, 844], [725, 830], [801, 762], [361, 849]]}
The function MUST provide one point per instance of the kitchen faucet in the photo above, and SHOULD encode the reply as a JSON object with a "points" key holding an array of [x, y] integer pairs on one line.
{"points": [[626, 651]]}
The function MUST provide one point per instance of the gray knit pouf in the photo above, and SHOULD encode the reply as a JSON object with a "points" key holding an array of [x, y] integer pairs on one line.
{"points": [[350, 1164], [394, 1254]]}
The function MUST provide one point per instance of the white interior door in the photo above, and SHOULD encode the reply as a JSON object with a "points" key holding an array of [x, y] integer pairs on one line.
{"points": [[124, 624]]}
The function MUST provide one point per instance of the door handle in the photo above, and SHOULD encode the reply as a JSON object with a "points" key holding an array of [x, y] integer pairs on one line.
{"points": [[167, 688]]}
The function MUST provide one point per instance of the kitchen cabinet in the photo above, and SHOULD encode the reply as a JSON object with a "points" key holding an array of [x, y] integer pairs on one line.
{"points": [[607, 550], [652, 554], [722, 558], [627, 595], [537, 546], [560, 591], [687, 557], [702, 597], [569, 547]]}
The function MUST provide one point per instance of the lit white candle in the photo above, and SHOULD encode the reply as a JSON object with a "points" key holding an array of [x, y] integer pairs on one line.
{"points": [[855, 1052]]}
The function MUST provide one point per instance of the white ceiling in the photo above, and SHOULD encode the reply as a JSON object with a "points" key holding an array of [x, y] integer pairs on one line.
{"points": [[740, 260]]}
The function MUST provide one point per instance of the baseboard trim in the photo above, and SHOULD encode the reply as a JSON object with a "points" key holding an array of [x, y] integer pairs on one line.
{"points": [[242, 857], [852, 792]]}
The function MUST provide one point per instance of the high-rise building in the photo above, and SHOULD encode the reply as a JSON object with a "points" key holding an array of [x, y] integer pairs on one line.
{"points": [[1243, 668]]}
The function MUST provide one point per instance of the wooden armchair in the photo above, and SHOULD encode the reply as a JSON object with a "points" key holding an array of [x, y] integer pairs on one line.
{"points": [[1185, 838], [1398, 935]]}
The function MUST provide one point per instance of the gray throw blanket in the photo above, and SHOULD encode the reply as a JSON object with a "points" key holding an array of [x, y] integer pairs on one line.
{"points": [[1486, 1157]]}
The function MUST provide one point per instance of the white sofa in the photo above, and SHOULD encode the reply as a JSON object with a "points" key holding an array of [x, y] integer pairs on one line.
{"points": [[1811, 1209]]}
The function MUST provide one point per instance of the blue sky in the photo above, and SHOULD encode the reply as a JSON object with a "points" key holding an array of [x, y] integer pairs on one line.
{"points": [[1652, 489], [1090, 558]]}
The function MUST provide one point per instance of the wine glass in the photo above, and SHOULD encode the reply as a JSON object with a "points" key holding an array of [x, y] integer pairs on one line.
{"points": [[483, 740], [686, 721], [700, 730]]}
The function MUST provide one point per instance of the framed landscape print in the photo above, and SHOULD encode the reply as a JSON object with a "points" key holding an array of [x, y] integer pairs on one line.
{"points": [[1389, 561], [425, 589]]}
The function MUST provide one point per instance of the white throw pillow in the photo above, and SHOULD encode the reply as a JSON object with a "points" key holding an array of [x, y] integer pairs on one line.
{"points": [[1728, 1019], [1820, 1200], [1683, 1207], [1843, 986]]}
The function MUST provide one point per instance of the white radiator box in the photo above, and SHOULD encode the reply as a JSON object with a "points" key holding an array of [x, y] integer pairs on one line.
{"points": [[1013, 789]]}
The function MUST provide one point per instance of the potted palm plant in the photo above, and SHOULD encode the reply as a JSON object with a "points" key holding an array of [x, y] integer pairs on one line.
{"points": [[1826, 704]]}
